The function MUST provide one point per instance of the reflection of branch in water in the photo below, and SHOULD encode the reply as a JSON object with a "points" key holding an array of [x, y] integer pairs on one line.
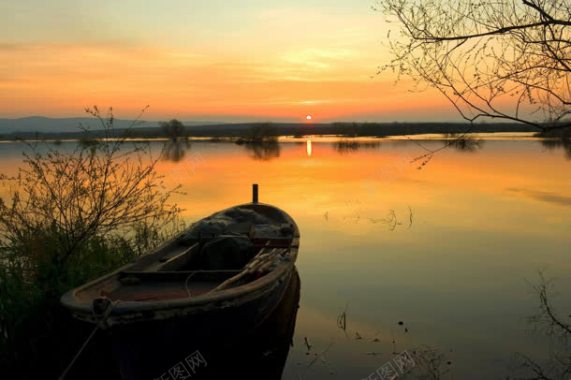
{"points": [[458, 141], [320, 357], [558, 366], [537, 372], [317, 357], [175, 149], [547, 316]]}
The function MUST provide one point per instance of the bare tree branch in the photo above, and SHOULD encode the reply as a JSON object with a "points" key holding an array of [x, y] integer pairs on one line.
{"points": [[506, 59]]}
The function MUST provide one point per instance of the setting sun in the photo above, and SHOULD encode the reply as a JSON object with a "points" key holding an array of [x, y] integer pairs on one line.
{"points": [[308, 117]]}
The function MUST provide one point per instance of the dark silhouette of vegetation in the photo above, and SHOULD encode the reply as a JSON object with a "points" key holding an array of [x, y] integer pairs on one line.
{"points": [[173, 129], [349, 129], [70, 217], [505, 59]]}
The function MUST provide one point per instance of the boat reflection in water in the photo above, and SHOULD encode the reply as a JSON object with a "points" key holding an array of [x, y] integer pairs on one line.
{"points": [[260, 353]]}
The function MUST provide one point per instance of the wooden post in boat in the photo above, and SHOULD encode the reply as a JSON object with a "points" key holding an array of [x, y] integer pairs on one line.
{"points": [[255, 193]]}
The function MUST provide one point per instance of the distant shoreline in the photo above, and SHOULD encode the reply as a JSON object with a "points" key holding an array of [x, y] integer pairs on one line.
{"points": [[234, 132]]}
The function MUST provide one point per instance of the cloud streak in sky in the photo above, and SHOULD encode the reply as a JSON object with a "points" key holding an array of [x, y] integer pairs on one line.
{"points": [[256, 58]]}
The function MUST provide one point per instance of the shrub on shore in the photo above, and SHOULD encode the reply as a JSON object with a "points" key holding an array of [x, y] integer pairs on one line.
{"points": [[70, 216]]}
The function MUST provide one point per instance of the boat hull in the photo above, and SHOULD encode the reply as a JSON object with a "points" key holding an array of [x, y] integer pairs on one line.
{"points": [[149, 350]]}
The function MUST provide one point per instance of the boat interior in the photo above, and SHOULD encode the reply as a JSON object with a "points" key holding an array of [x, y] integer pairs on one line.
{"points": [[198, 261]]}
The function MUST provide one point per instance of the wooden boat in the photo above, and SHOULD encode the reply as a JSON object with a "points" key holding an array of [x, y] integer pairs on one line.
{"points": [[228, 270], [259, 354]]}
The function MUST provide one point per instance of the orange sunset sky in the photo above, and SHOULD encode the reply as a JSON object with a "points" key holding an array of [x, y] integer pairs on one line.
{"points": [[204, 60]]}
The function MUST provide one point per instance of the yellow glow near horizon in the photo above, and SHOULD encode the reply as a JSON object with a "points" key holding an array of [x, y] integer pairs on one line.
{"points": [[249, 61]]}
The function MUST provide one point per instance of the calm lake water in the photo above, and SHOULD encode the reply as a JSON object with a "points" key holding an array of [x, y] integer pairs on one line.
{"points": [[451, 250]]}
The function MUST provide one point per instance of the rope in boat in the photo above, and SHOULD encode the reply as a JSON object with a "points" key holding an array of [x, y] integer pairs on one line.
{"points": [[263, 261], [104, 317]]}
